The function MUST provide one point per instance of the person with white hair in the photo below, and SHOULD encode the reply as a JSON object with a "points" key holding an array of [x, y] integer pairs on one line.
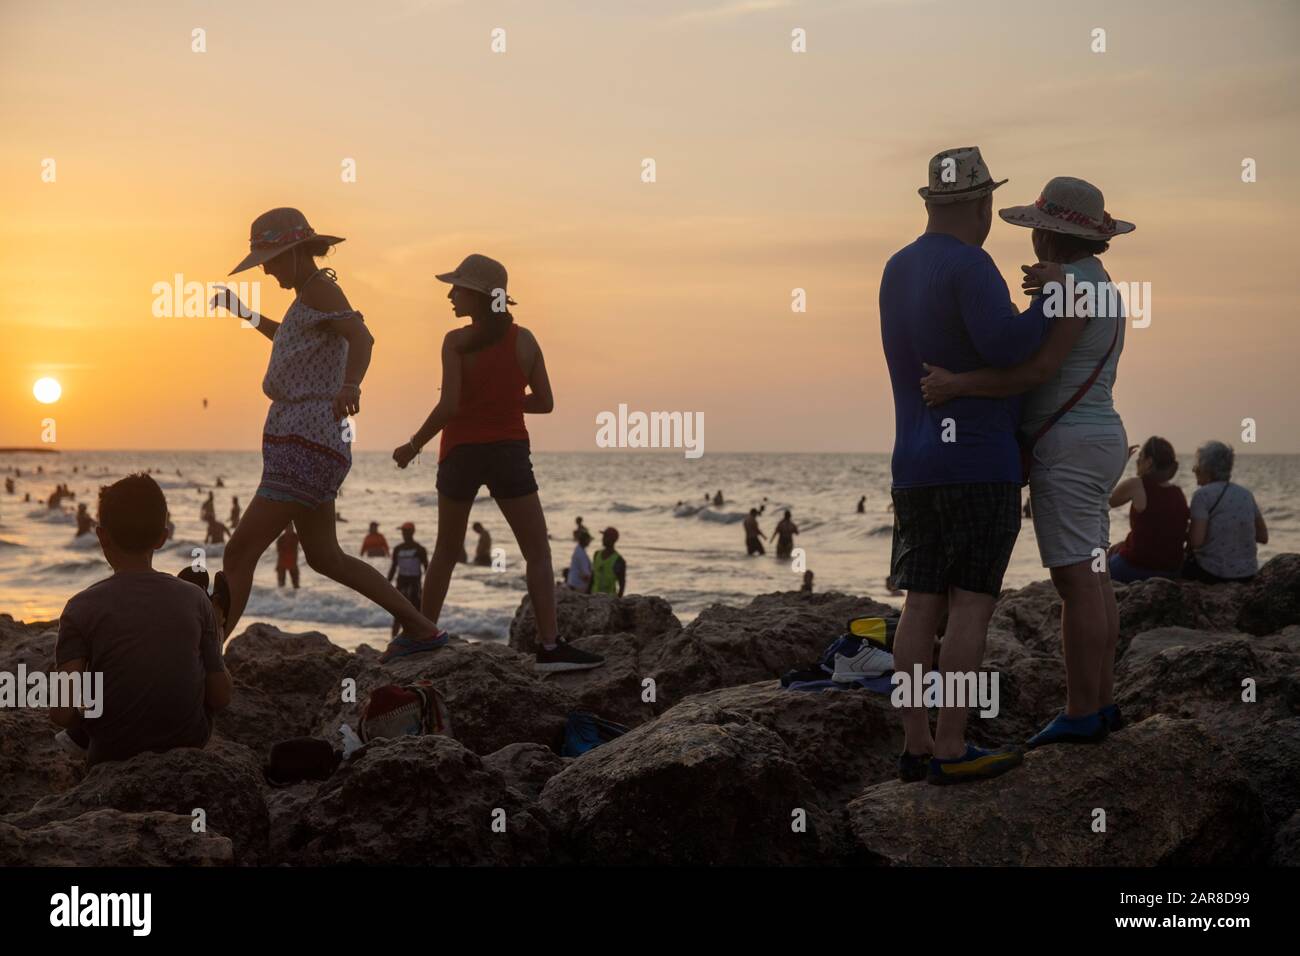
{"points": [[1227, 526]]}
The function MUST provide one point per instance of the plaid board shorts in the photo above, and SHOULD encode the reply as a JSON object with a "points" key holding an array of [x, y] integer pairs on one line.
{"points": [[954, 536]]}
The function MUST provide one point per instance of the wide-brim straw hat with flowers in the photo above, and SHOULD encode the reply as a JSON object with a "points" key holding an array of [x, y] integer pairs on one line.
{"points": [[1072, 207], [275, 232], [958, 175], [480, 273]]}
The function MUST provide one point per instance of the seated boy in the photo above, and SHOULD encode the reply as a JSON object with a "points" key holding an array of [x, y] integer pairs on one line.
{"points": [[154, 637]]}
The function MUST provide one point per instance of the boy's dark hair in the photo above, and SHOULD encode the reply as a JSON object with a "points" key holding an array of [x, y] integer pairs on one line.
{"points": [[134, 512]]}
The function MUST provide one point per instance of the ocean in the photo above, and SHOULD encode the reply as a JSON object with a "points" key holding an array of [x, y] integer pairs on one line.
{"points": [[676, 545]]}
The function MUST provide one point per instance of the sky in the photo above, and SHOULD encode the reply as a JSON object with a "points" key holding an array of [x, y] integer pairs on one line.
{"points": [[774, 171]]}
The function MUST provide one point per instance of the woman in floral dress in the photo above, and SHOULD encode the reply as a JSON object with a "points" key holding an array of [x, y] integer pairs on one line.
{"points": [[319, 355]]}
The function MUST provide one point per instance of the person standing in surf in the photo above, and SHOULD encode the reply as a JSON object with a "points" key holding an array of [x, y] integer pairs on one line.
{"points": [[319, 354], [493, 374]]}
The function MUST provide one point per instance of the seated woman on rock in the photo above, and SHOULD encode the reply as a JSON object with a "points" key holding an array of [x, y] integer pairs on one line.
{"points": [[1226, 523], [1157, 517]]}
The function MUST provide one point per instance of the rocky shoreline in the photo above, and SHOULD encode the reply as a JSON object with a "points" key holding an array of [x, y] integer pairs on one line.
{"points": [[722, 766]]}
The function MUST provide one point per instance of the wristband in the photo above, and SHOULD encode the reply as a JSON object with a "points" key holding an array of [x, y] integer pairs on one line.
{"points": [[415, 446]]}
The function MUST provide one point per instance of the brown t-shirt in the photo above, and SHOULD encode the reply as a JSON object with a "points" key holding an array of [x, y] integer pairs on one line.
{"points": [[154, 638]]}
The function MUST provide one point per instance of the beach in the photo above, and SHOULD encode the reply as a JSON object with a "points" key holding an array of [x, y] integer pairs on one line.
{"points": [[692, 555]]}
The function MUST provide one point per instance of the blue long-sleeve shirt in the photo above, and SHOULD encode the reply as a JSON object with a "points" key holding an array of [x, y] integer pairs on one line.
{"points": [[944, 302]]}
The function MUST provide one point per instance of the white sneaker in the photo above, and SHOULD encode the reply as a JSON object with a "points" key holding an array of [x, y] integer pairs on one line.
{"points": [[871, 661], [70, 745]]}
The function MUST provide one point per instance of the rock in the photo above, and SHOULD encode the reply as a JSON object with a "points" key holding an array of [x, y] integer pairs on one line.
{"points": [[1172, 797], [1202, 679], [224, 780], [29, 644], [841, 740], [415, 801], [1272, 600], [526, 767], [774, 633], [493, 695], [614, 690], [32, 765], [581, 615], [116, 839], [1286, 843], [1031, 616], [280, 681], [701, 785]]}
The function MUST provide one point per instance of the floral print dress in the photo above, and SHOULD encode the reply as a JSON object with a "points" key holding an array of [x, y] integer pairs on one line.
{"points": [[305, 451]]}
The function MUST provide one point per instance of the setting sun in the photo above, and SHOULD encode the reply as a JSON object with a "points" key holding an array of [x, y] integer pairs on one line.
{"points": [[47, 391]]}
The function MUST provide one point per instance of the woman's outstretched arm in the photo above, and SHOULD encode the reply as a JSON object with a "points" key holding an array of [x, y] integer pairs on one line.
{"points": [[448, 404]]}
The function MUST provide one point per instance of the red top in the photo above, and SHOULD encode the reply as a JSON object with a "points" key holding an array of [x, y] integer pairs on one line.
{"points": [[1156, 541], [491, 398]]}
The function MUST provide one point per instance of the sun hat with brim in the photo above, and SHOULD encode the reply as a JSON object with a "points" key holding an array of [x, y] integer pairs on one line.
{"points": [[275, 232], [958, 175], [1072, 207], [480, 273]]}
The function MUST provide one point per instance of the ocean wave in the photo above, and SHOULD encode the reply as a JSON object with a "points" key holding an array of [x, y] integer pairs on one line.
{"points": [[10, 544], [52, 515], [85, 542], [722, 517], [75, 567], [621, 507]]}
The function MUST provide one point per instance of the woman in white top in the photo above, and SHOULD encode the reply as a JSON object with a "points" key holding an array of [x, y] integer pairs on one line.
{"points": [[1074, 434], [1226, 526]]}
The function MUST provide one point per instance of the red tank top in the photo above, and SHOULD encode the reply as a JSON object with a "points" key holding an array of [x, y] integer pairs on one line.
{"points": [[491, 398], [1156, 541]]}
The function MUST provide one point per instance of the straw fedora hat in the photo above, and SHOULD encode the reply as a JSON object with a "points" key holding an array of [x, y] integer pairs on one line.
{"points": [[480, 273], [958, 175], [1069, 206], [275, 232]]}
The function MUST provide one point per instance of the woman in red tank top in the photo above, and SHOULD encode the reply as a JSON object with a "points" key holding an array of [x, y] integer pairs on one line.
{"points": [[493, 374], [1158, 516]]}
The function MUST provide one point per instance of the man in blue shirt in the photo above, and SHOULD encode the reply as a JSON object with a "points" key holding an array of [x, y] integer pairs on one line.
{"points": [[956, 468]]}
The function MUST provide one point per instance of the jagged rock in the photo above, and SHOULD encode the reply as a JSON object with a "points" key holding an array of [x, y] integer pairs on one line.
{"points": [[223, 780], [774, 633], [113, 838], [1272, 600], [614, 690], [491, 691], [1286, 843], [1172, 797], [32, 765], [280, 680], [580, 615], [30, 644], [1202, 678], [703, 785], [415, 801], [526, 767], [841, 740]]}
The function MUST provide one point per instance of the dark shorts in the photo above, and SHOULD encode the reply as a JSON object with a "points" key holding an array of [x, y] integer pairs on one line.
{"points": [[954, 536], [409, 588], [754, 546], [504, 466]]}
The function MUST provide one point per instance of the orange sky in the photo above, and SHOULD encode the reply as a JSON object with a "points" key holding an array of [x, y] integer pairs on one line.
{"points": [[776, 170]]}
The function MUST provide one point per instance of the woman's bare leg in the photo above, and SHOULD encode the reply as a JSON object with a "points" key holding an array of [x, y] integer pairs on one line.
{"points": [[453, 516], [318, 531], [260, 525], [1084, 633], [526, 520]]}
